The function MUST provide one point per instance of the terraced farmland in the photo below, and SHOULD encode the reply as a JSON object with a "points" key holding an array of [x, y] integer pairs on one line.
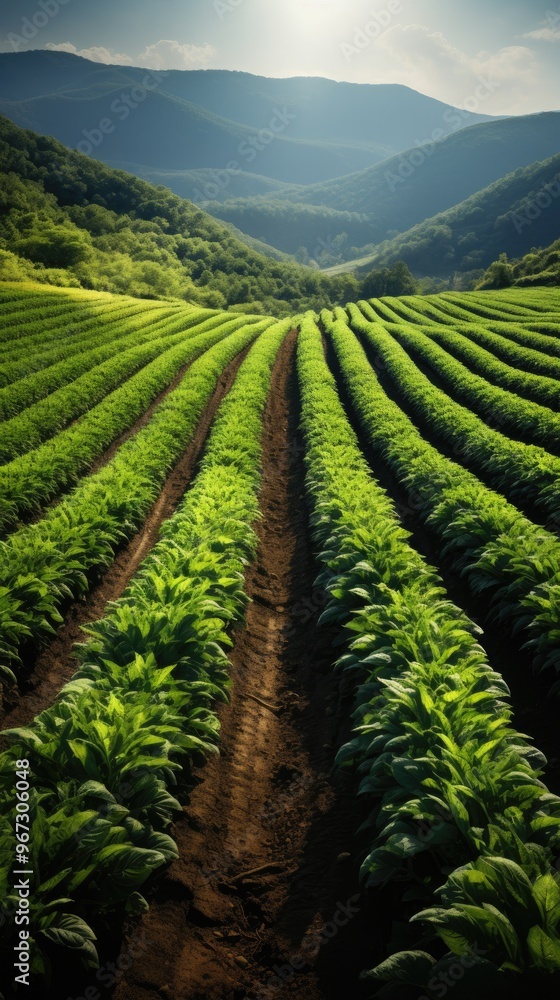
{"points": [[279, 648]]}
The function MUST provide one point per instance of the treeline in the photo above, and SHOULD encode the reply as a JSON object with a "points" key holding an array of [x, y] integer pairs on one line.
{"points": [[539, 267], [515, 213], [67, 219], [310, 232]]}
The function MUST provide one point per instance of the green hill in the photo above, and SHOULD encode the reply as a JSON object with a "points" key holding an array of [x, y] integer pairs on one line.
{"points": [[208, 183], [538, 267], [67, 219], [518, 212], [400, 193]]}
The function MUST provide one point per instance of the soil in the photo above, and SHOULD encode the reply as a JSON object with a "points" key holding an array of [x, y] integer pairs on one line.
{"points": [[54, 665], [264, 900]]}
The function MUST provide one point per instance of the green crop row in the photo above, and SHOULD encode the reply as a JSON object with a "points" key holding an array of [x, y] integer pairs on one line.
{"points": [[114, 336], [59, 356], [110, 338], [44, 335], [483, 361], [514, 563], [46, 564], [28, 315], [450, 777], [408, 310], [503, 556], [104, 759], [516, 302], [37, 326], [379, 311], [527, 474], [517, 417], [30, 481], [51, 415], [520, 347], [487, 307]]}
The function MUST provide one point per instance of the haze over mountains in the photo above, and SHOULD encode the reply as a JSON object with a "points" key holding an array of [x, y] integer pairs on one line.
{"points": [[517, 212], [299, 130], [399, 193], [332, 174]]}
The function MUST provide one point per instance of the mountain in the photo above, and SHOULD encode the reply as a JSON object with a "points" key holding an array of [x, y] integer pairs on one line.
{"points": [[511, 216], [395, 195], [299, 130], [67, 219], [200, 185]]}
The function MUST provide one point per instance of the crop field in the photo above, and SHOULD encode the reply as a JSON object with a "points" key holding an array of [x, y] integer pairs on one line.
{"points": [[279, 648]]}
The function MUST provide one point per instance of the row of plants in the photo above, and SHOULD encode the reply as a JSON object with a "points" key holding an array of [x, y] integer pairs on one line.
{"points": [[515, 415], [71, 335], [508, 375], [37, 326], [30, 481], [485, 307], [406, 309], [380, 311], [51, 415], [527, 474], [441, 309], [538, 300], [520, 347], [106, 757], [110, 335], [28, 310], [507, 309], [503, 556], [456, 790], [44, 565]]}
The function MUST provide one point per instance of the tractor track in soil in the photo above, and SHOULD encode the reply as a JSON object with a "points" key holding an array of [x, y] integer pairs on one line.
{"points": [[269, 858], [54, 665]]}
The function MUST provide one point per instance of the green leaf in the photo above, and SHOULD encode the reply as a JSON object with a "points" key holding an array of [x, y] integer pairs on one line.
{"points": [[545, 950], [414, 967]]}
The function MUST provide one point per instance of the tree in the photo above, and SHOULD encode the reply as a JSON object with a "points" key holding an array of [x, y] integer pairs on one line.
{"points": [[395, 281], [499, 274]]}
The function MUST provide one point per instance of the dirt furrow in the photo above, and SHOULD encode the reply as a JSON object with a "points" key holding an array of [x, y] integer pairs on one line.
{"points": [[54, 665], [264, 898]]}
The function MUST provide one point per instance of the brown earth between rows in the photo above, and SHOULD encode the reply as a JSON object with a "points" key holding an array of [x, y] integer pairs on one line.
{"points": [[264, 899], [55, 664]]}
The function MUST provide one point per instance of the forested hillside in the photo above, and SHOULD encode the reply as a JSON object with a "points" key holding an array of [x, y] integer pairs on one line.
{"points": [[68, 219]]}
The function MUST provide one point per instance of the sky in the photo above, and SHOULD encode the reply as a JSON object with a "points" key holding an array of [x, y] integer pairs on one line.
{"points": [[492, 56]]}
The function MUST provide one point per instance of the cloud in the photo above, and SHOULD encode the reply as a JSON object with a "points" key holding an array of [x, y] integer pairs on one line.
{"points": [[165, 54], [488, 82], [544, 34], [97, 53]]}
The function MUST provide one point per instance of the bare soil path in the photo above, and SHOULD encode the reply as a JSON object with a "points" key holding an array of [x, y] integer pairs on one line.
{"points": [[264, 899]]}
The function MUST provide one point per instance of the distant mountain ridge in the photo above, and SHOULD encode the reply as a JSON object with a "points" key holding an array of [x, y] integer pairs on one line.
{"points": [[67, 219], [296, 130], [511, 216], [399, 193]]}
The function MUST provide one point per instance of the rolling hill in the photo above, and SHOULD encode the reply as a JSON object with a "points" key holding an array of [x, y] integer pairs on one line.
{"points": [[299, 130], [538, 267], [511, 216], [393, 196], [67, 219]]}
